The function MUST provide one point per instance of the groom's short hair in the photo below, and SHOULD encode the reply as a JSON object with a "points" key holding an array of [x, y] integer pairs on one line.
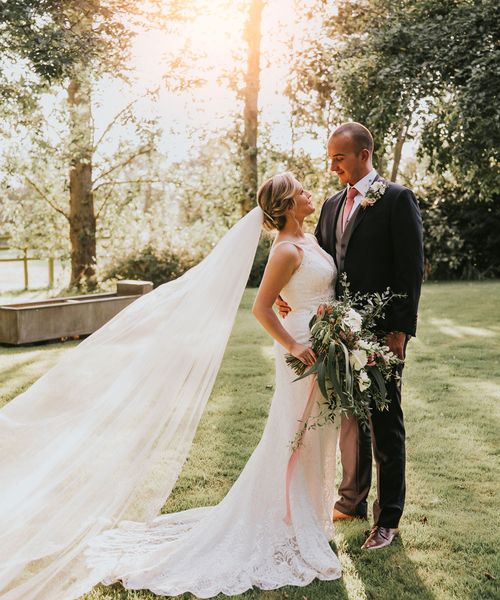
{"points": [[359, 134]]}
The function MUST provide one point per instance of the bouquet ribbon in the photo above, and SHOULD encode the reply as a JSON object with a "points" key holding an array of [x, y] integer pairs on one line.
{"points": [[294, 457]]}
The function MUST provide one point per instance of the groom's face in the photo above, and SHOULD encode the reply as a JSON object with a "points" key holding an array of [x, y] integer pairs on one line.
{"points": [[349, 165]]}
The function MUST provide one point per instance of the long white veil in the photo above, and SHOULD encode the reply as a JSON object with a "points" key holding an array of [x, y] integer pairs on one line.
{"points": [[103, 435]]}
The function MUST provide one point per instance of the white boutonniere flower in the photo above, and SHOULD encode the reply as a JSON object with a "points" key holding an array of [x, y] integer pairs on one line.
{"points": [[374, 193]]}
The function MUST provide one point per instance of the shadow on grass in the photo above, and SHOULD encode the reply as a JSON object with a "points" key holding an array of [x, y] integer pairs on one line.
{"points": [[385, 574], [19, 370]]}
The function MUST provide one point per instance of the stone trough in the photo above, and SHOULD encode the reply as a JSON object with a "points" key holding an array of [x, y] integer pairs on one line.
{"points": [[58, 318]]}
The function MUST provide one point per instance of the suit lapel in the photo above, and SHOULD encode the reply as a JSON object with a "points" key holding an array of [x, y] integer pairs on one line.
{"points": [[361, 214], [337, 213]]}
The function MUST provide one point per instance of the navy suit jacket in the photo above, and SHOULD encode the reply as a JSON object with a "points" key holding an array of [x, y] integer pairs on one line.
{"points": [[385, 250]]}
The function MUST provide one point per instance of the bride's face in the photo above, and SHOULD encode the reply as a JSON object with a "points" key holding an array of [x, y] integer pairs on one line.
{"points": [[303, 205]]}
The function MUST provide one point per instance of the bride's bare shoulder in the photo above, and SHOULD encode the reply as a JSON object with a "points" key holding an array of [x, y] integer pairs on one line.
{"points": [[286, 245], [286, 250]]}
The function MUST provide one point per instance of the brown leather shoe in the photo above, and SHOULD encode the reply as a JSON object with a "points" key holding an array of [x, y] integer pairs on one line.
{"points": [[379, 537], [340, 516]]}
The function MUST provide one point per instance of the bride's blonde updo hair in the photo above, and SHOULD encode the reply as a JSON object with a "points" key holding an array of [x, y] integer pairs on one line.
{"points": [[275, 197]]}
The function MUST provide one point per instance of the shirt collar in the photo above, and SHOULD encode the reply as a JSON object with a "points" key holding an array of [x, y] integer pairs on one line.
{"points": [[363, 185]]}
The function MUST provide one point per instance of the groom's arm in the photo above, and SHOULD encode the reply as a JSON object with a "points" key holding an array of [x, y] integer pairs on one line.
{"points": [[408, 253]]}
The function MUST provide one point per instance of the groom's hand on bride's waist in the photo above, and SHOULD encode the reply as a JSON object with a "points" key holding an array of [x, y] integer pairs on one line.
{"points": [[396, 340], [283, 307]]}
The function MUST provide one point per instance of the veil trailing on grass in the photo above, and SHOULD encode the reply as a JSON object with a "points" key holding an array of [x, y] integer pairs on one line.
{"points": [[103, 435]]}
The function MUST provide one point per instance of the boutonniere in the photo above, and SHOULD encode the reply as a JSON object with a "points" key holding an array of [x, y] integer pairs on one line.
{"points": [[374, 193]]}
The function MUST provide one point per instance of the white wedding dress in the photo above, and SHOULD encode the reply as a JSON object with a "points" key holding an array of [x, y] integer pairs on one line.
{"points": [[244, 541]]}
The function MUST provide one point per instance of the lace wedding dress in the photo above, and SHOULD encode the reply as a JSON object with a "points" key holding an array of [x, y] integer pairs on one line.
{"points": [[244, 541]]}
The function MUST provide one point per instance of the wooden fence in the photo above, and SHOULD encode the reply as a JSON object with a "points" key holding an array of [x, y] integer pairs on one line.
{"points": [[25, 258]]}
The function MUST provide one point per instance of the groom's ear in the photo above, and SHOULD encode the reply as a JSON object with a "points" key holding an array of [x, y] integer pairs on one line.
{"points": [[365, 155]]}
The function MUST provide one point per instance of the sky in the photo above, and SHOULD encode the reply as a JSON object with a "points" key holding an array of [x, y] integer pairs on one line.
{"points": [[215, 37], [213, 43]]}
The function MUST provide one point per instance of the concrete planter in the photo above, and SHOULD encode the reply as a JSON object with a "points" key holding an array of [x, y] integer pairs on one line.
{"points": [[65, 317]]}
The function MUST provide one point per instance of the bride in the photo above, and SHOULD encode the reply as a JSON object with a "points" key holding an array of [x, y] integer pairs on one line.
{"points": [[87, 468]]}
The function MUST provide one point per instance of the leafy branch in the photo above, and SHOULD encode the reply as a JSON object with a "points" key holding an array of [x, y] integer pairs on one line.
{"points": [[44, 196]]}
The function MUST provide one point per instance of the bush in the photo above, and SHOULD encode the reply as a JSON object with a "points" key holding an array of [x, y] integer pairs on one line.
{"points": [[260, 260], [160, 266], [150, 264], [461, 235]]}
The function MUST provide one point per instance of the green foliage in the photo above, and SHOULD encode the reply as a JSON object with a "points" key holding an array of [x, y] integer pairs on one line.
{"points": [[433, 65], [49, 40], [312, 173], [69, 46], [207, 184], [34, 177], [24, 218], [461, 235], [172, 261], [51, 36], [428, 71], [153, 265], [260, 260]]}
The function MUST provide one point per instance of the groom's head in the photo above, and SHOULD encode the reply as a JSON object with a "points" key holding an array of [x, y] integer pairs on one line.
{"points": [[350, 150]]}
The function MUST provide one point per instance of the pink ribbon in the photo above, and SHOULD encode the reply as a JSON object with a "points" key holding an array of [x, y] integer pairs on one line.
{"points": [[292, 461]]}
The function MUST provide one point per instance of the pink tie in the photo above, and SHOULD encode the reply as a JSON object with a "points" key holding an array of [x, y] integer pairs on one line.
{"points": [[352, 192]]}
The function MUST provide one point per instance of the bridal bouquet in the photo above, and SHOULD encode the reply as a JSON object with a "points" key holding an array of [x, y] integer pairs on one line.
{"points": [[352, 365]]}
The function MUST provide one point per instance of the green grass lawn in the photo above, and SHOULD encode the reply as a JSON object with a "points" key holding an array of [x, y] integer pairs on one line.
{"points": [[449, 532]]}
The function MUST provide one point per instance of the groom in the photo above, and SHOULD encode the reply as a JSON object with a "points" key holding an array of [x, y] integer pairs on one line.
{"points": [[376, 246]]}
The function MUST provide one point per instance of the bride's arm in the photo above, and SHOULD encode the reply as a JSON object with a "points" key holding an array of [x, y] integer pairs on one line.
{"points": [[281, 266]]}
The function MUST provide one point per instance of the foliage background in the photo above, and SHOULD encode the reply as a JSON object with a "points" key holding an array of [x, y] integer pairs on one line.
{"points": [[168, 182]]}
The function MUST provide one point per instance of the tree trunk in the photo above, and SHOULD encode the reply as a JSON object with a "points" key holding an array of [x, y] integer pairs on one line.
{"points": [[249, 174], [82, 220], [398, 148]]}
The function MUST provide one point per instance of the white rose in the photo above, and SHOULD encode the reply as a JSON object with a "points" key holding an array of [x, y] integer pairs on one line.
{"points": [[364, 381], [358, 359], [353, 320], [364, 345]]}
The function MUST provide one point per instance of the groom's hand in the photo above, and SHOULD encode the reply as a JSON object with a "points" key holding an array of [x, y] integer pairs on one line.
{"points": [[396, 340], [283, 307]]}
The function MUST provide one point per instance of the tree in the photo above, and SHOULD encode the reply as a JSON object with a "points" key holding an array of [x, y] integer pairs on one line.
{"points": [[249, 173], [421, 66], [74, 43], [29, 37]]}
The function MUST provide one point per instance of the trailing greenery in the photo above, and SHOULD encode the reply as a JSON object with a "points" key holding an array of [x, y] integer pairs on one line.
{"points": [[448, 547]]}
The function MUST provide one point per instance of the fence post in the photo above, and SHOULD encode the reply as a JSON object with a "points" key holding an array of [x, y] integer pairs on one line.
{"points": [[25, 264], [51, 272]]}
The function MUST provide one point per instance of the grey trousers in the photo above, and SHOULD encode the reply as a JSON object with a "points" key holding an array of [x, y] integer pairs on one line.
{"points": [[356, 457]]}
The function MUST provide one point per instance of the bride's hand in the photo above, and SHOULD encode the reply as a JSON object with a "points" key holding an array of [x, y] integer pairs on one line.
{"points": [[283, 307], [322, 309], [303, 353]]}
